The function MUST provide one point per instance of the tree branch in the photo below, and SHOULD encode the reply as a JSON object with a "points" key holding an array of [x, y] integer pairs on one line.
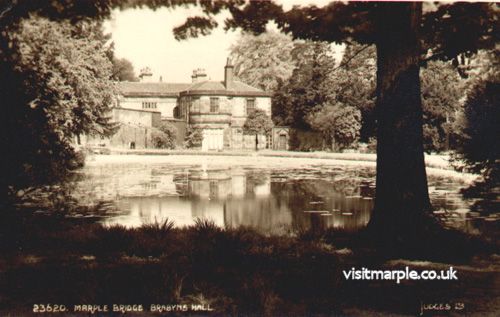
{"points": [[350, 58]]}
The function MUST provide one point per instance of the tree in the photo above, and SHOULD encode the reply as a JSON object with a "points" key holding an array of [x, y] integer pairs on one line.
{"points": [[480, 131], [340, 124], [328, 98], [405, 37], [353, 83], [123, 70], [442, 91], [307, 88], [258, 122], [264, 60], [59, 88], [477, 132]]}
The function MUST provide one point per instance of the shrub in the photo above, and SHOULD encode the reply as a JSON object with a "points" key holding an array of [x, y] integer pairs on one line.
{"points": [[169, 130], [480, 131], [194, 138], [164, 137], [478, 139], [305, 141]]}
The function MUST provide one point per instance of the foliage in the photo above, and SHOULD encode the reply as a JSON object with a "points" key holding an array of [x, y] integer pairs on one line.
{"points": [[258, 122], [305, 141], [476, 131], [70, 76], [307, 88], [169, 130], [479, 136], [354, 84], [324, 97], [194, 138], [160, 140], [442, 89], [263, 60], [339, 124], [164, 137], [59, 87], [123, 70]]}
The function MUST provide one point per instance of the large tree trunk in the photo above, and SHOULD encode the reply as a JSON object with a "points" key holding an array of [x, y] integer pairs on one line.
{"points": [[402, 197]]}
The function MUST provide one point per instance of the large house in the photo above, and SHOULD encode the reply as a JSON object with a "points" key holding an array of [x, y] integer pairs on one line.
{"points": [[218, 109]]}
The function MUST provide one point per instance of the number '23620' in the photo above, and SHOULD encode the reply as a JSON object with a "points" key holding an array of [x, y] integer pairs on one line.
{"points": [[49, 308]]}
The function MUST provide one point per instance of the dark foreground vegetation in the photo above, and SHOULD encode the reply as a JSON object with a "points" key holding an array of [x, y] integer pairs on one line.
{"points": [[53, 259]]}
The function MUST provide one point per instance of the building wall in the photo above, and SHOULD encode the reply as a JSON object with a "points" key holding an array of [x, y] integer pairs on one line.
{"points": [[165, 105], [132, 136], [235, 106], [239, 105], [135, 128], [137, 117], [193, 111]]}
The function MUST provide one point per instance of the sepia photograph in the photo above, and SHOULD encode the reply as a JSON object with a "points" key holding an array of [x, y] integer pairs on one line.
{"points": [[249, 158]]}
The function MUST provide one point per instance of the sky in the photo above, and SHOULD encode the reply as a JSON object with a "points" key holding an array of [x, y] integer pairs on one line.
{"points": [[145, 38]]}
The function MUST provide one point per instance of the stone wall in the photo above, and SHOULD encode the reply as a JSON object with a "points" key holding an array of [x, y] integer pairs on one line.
{"points": [[164, 105], [137, 117], [132, 136]]}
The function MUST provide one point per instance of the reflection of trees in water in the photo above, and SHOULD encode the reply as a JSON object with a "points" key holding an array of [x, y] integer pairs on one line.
{"points": [[486, 193], [317, 205], [255, 179], [478, 213], [66, 198]]}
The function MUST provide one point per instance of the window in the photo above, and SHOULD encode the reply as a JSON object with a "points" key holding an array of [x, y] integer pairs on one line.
{"points": [[250, 105], [214, 104], [195, 104], [148, 105]]}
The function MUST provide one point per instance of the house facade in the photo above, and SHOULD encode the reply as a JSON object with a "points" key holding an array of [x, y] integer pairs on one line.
{"points": [[218, 109]]}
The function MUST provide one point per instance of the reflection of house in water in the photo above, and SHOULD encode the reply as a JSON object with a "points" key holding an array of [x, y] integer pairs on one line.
{"points": [[144, 210], [235, 197]]}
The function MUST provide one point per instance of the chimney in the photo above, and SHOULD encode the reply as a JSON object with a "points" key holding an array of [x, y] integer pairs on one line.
{"points": [[199, 75], [228, 74], [146, 76]]}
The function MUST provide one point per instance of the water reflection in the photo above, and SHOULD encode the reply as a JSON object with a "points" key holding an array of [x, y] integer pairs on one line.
{"points": [[272, 201]]}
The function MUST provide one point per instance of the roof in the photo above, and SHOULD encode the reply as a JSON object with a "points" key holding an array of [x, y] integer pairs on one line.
{"points": [[208, 87], [218, 88], [129, 88]]}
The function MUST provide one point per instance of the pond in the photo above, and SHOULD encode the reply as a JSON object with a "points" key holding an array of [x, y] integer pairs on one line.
{"points": [[273, 198]]}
